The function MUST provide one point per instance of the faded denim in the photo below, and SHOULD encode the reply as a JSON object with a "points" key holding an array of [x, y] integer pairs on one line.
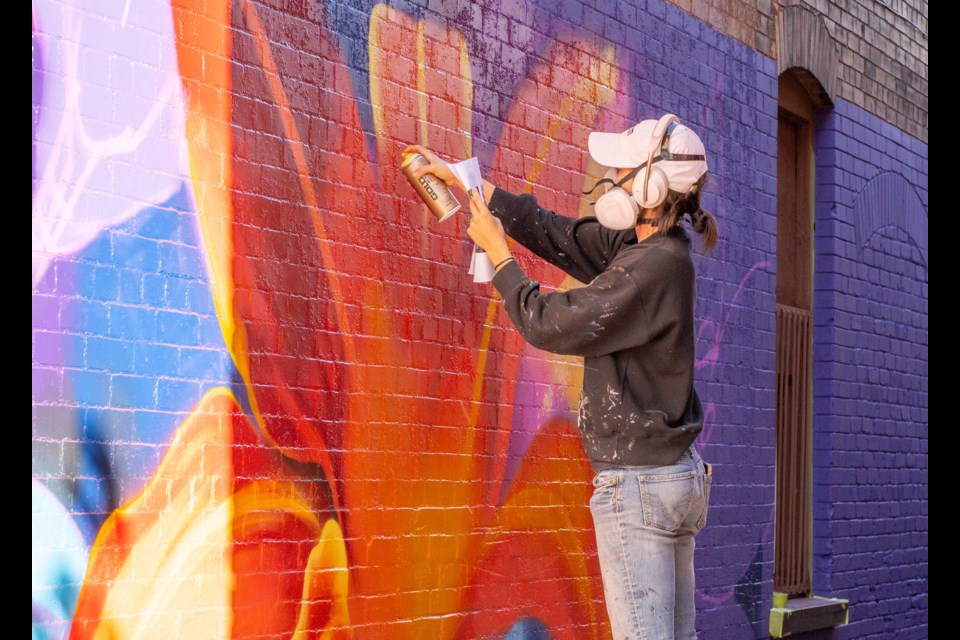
{"points": [[645, 519]]}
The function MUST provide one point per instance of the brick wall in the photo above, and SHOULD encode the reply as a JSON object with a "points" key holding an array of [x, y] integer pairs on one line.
{"points": [[882, 46], [871, 354], [268, 399]]}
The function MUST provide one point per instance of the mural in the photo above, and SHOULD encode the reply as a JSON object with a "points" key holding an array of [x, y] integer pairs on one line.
{"points": [[267, 399]]}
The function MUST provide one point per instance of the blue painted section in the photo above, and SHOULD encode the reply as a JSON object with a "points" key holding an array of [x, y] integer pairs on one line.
{"points": [[138, 344], [528, 629], [58, 562]]}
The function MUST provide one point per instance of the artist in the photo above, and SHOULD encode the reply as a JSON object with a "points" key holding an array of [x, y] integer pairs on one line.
{"points": [[633, 324]]}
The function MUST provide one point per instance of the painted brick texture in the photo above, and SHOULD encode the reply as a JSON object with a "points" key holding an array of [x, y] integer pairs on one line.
{"points": [[882, 47], [870, 394], [269, 401]]}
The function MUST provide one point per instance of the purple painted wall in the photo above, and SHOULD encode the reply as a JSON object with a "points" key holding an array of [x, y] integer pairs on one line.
{"points": [[870, 368]]}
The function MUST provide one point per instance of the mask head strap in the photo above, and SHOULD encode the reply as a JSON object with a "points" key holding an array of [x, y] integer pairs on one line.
{"points": [[661, 133], [633, 173]]}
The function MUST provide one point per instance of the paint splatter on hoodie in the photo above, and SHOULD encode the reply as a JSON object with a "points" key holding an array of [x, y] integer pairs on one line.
{"points": [[632, 323]]}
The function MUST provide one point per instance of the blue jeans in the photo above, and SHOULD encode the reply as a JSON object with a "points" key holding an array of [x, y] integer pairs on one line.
{"points": [[645, 519]]}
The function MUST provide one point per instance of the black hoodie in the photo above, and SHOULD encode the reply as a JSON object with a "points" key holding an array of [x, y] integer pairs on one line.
{"points": [[633, 324]]}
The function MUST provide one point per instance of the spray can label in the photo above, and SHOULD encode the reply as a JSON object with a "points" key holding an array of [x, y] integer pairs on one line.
{"points": [[434, 193]]}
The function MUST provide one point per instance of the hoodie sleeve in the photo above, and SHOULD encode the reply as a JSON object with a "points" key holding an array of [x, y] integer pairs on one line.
{"points": [[582, 247], [605, 316]]}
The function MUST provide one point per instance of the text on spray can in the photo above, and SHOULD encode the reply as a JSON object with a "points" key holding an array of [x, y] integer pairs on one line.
{"points": [[433, 191]]}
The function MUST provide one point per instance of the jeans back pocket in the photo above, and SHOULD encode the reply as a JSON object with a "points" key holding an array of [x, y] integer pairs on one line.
{"points": [[667, 499]]}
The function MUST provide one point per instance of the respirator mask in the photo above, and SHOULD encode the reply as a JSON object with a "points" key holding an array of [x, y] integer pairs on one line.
{"points": [[619, 209]]}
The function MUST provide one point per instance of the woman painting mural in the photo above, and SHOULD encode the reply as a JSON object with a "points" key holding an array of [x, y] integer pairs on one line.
{"points": [[633, 324]]}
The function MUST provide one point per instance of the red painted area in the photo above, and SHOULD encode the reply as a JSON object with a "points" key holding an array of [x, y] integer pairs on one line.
{"points": [[283, 299], [366, 350], [539, 558]]}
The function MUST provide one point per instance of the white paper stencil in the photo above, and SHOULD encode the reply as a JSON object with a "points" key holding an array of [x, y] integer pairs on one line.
{"points": [[468, 172]]}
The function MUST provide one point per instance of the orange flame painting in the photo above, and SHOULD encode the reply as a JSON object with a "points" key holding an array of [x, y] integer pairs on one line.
{"points": [[405, 467]]}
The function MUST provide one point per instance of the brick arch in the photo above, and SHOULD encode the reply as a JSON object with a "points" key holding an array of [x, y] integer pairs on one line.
{"points": [[889, 200], [805, 45]]}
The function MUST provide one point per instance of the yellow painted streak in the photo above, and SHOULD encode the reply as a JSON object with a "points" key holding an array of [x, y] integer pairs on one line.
{"points": [[586, 90], [326, 579], [210, 152], [376, 95], [479, 377], [296, 148], [262, 501], [476, 461], [258, 506], [492, 305], [422, 84], [467, 105], [381, 14], [214, 204]]}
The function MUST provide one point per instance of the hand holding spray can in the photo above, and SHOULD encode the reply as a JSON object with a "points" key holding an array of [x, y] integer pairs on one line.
{"points": [[433, 191]]}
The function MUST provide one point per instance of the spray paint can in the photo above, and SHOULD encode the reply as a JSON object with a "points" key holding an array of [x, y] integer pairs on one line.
{"points": [[431, 189]]}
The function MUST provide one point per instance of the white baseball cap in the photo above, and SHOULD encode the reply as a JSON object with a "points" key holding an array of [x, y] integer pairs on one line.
{"points": [[632, 148]]}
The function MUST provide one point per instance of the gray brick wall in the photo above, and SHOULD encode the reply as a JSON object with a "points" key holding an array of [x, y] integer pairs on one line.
{"points": [[883, 48]]}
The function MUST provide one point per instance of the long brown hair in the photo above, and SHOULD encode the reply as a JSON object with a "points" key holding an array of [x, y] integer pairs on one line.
{"points": [[679, 204]]}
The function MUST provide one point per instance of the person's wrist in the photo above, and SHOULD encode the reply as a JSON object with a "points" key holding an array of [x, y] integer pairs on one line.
{"points": [[497, 252], [488, 189], [499, 264]]}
